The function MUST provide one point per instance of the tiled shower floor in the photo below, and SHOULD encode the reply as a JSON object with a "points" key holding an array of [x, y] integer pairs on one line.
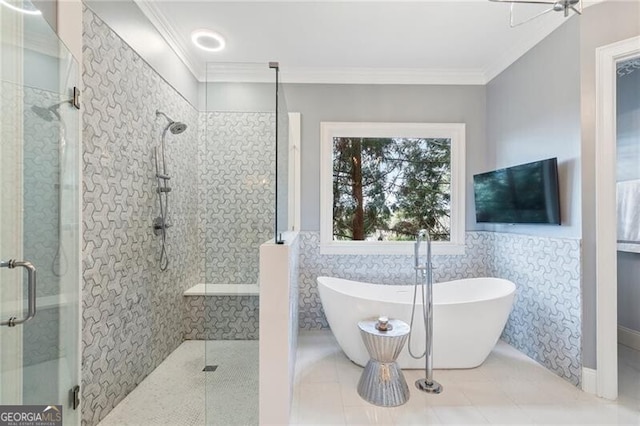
{"points": [[507, 389], [175, 393]]}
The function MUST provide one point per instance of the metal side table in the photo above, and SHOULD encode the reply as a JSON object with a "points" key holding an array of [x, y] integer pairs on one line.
{"points": [[382, 382]]}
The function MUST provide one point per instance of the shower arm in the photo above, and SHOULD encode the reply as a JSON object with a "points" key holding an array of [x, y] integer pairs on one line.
{"points": [[158, 113]]}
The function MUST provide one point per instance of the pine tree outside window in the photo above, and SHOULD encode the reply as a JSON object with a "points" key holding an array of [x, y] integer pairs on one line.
{"points": [[382, 182]]}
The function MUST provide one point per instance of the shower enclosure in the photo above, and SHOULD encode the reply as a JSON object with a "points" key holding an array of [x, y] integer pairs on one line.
{"points": [[243, 171], [39, 216]]}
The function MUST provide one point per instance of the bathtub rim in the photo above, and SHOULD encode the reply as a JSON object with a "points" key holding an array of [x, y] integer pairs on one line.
{"points": [[511, 284]]}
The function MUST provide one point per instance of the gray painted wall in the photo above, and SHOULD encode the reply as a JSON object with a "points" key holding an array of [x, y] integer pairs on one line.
{"points": [[394, 103], [127, 20], [600, 25], [628, 149], [533, 113], [238, 97]]}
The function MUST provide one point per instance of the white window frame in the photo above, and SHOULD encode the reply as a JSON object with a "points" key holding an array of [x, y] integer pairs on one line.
{"points": [[453, 131]]}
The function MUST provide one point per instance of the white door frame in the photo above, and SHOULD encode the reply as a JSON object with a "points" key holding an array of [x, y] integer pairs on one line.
{"points": [[607, 58]]}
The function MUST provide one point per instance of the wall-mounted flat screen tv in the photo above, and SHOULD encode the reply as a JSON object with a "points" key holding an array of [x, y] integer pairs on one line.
{"points": [[527, 193]]}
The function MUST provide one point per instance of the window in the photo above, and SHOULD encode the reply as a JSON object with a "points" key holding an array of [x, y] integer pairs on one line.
{"points": [[382, 182]]}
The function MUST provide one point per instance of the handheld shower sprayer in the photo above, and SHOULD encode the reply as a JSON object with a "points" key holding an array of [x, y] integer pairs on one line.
{"points": [[161, 223], [421, 235]]}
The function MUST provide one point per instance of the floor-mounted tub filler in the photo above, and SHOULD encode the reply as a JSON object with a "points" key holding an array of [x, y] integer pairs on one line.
{"points": [[468, 317]]}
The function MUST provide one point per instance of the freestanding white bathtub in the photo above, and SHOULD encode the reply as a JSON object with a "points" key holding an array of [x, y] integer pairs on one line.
{"points": [[468, 317]]}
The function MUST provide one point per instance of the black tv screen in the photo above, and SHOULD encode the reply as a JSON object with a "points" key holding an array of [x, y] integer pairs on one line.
{"points": [[527, 193]]}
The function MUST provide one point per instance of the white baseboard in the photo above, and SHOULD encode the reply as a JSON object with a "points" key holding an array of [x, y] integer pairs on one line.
{"points": [[589, 380], [629, 337]]}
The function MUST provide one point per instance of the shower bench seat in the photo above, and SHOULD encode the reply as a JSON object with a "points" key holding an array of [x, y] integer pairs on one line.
{"points": [[221, 312], [223, 290]]}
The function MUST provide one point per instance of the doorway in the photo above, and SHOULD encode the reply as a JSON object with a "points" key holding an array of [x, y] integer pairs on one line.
{"points": [[607, 61]]}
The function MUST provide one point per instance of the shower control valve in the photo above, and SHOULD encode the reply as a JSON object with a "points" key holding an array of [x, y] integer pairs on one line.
{"points": [[159, 226]]}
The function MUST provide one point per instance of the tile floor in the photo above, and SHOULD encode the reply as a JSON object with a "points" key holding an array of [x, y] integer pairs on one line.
{"points": [[508, 389], [628, 376]]}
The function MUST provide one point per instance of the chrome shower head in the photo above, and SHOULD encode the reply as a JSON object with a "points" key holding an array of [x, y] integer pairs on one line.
{"points": [[177, 127], [47, 114]]}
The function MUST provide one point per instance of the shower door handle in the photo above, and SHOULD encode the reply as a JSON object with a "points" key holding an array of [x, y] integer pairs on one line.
{"points": [[31, 290]]}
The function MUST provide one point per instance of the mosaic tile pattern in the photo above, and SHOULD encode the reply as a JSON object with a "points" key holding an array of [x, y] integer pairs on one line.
{"points": [[236, 193], [41, 215], [545, 322], [396, 269], [221, 317], [294, 307], [546, 319], [42, 178], [132, 312]]}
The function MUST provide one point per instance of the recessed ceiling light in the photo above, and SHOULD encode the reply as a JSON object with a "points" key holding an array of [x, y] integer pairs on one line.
{"points": [[29, 10], [207, 40]]}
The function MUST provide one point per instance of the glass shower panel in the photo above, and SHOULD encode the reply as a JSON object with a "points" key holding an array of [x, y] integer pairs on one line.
{"points": [[237, 185], [282, 165], [39, 214]]}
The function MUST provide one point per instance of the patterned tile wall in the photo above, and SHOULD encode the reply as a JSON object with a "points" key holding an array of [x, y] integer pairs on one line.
{"points": [[236, 193], [294, 308], [132, 312], [42, 178], [221, 317], [42, 162], [545, 322]]}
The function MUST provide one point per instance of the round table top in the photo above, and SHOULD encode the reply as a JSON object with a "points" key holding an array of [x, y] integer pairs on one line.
{"points": [[400, 328]]}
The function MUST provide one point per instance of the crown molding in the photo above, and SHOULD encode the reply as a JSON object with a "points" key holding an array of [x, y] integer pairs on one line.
{"points": [[350, 76], [169, 32], [382, 76]]}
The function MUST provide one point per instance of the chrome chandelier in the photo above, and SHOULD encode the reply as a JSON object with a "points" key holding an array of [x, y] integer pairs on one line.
{"points": [[565, 6]]}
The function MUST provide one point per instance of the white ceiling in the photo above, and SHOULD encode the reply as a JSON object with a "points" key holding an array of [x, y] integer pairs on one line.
{"points": [[429, 42]]}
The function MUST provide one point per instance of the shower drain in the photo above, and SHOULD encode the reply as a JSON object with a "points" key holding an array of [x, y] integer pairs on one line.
{"points": [[210, 368]]}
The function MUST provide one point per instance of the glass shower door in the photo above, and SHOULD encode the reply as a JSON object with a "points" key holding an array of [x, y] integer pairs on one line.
{"points": [[39, 217]]}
